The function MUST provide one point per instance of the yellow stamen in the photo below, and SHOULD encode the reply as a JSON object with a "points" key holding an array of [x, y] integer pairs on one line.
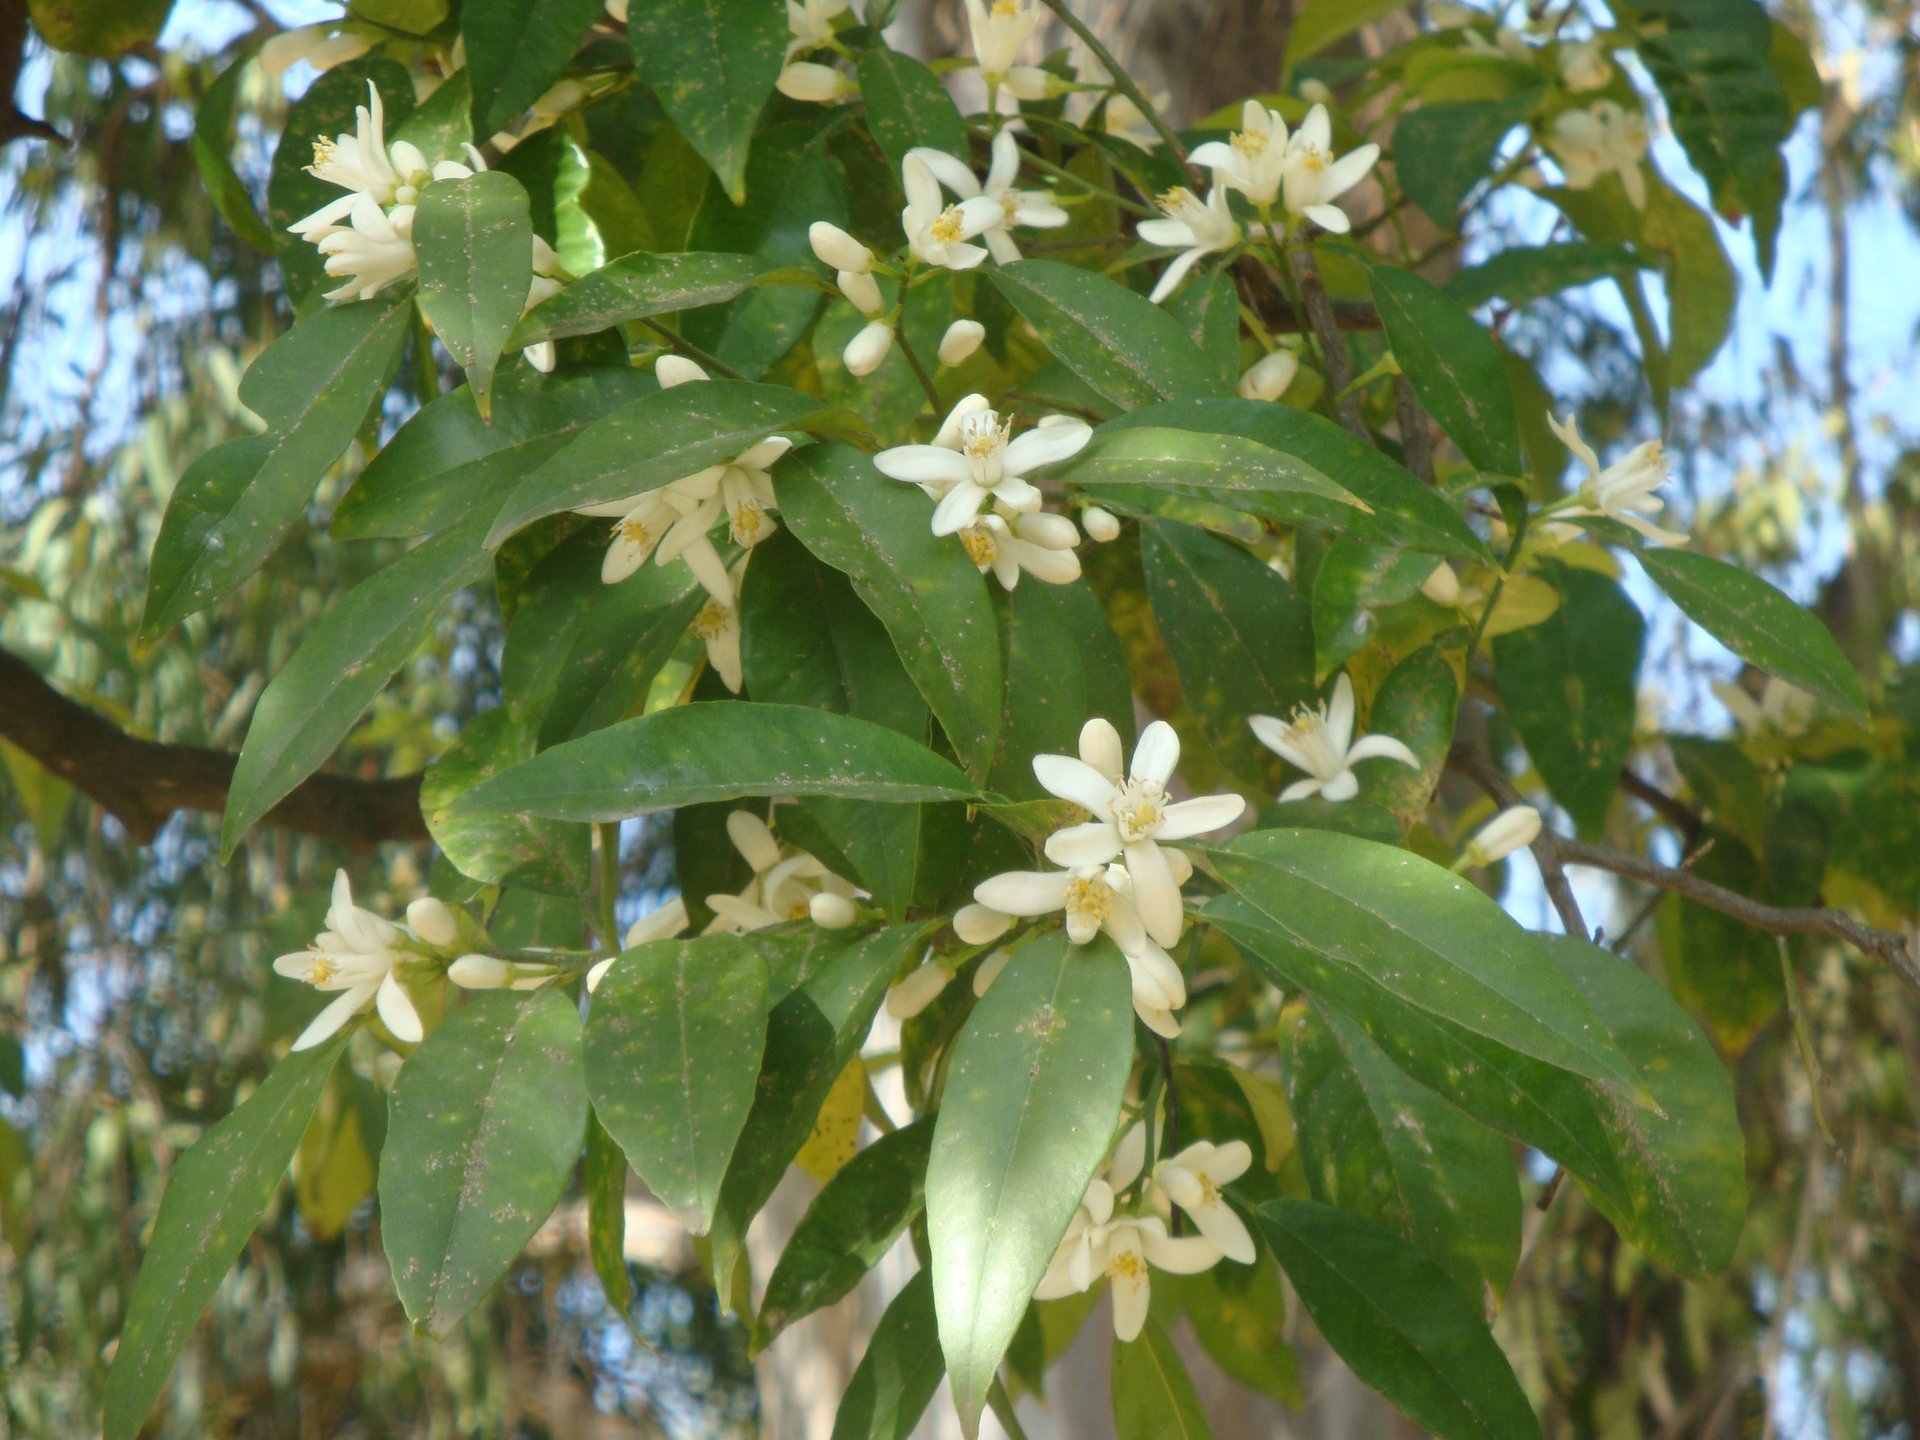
{"points": [[633, 532], [1092, 898], [712, 621], [950, 227], [1006, 9], [1126, 1266], [323, 151], [322, 970], [749, 524], [1250, 143], [979, 544]]}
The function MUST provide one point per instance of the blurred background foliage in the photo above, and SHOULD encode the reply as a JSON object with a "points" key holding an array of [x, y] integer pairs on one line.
{"points": [[137, 1005]]}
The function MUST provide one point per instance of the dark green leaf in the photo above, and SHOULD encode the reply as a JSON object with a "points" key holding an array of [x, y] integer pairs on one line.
{"points": [[1319, 23], [907, 106], [1453, 364], [212, 147], [1153, 1397], [1417, 704], [1527, 272], [1064, 666], [504, 849], [712, 63], [473, 241], [1442, 151], [1209, 310], [1716, 967], [900, 1372], [605, 1182], [1230, 468], [516, 49], [635, 287], [1351, 581]]}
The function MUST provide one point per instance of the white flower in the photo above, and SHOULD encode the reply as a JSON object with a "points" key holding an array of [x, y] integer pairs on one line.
{"points": [[1253, 159], [1008, 542], [906, 998], [831, 911], [810, 23], [998, 31], [1120, 1247], [717, 623], [1782, 708], [1131, 815], [812, 83], [354, 955], [1034, 209], [322, 46], [1101, 524], [1313, 179], [1598, 141], [1319, 740], [372, 251], [1269, 376], [862, 291], [837, 249], [974, 457], [937, 233], [662, 923], [785, 880], [364, 165], [963, 337], [868, 348], [1584, 65], [432, 923], [1193, 228], [1623, 490], [1512, 829], [1193, 1180]]}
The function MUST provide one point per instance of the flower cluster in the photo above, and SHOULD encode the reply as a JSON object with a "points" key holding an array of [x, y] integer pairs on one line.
{"points": [[811, 28], [366, 235]]}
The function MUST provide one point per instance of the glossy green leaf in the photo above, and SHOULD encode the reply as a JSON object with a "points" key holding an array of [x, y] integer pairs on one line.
{"points": [[1393, 1315], [854, 1221], [1239, 1315], [1716, 967], [653, 440], [442, 124], [1410, 930], [924, 589], [313, 387], [501, 849], [1702, 288], [1442, 151], [342, 664], [214, 1198], [674, 1038], [213, 147], [1064, 666], [1419, 705], [488, 1117], [1350, 582], [516, 49], [1528, 272], [1209, 310], [1453, 364], [907, 106], [604, 1179], [1568, 685], [1376, 1142], [1759, 624], [1153, 1396], [1131, 352], [473, 242], [1032, 1097], [719, 750], [1228, 468], [712, 63], [1240, 635], [446, 463], [637, 286], [897, 1377]]}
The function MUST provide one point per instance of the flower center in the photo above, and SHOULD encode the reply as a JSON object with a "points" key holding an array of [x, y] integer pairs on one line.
{"points": [[1127, 1265], [633, 532], [323, 151], [979, 542], [1006, 9], [712, 621], [1090, 899], [1314, 159], [949, 227], [1138, 810], [1249, 143], [798, 911], [1209, 1192], [322, 971], [749, 524]]}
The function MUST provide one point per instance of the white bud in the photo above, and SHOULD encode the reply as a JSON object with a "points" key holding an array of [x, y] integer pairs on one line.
{"points": [[480, 972], [830, 911], [919, 990], [564, 95], [315, 44], [432, 923], [862, 290], [1269, 376], [963, 337], [1030, 83], [814, 83], [1315, 92], [979, 924], [599, 973], [618, 10], [1442, 586], [672, 370], [837, 248], [867, 349], [1103, 525], [1512, 829], [989, 970]]}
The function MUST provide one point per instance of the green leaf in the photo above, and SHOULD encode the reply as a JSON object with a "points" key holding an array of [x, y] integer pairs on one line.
{"points": [[674, 1038], [1391, 1313], [1568, 685], [712, 64], [580, 654], [900, 1372], [605, 1181], [1412, 935], [854, 1221], [878, 533], [1319, 23], [442, 124], [446, 463], [1377, 1143], [1064, 666], [1701, 286], [1418, 704], [1240, 635], [1405, 512], [473, 240], [652, 440], [215, 1196], [1131, 352], [1441, 151], [637, 286], [1226, 467], [1209, 310], [808, 640], [719, 750], [1716, 967], [550, 855], [212, 147], [488, 1117], [907, 106], [1351, 581], [1454, 366], [1032, 1097], [516, 49], [313, 387], [341, 665], [1153, 1397], [1528, 272], [1239, 1315], [1759, 624]]}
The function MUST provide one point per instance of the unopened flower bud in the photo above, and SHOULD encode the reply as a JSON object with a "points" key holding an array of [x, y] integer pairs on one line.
{"points": [[815, 83], [837, 248], [672, 370], [963, 337], [480, 972], [919, 990], [1512, 829], [599, 973], [432, 922], [1442, 586], [1031, 83], [1269, 376], [1315, 92], [862, 290], [989, 971], [1103, 525], [830, 911], [867, 349], [979, 924]]}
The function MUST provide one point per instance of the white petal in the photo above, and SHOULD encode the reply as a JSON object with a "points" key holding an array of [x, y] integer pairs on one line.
{"points": [[958, 507], [981, 924], [1100, 747], [1129, 1158], [1340, 714], [1024, 892], [1330, 218], [1157, 753], [1223, 1229], [1174, 274], [1080, 845], [328, 1022], [1185, 1255], [1383, 747], [1132, 1295], [1047, 446], [396, 1010], [1074, 780], [753, 840], [1343, 786], [1197, 817], [1302, 790], [955, 174], [1154, 891]]}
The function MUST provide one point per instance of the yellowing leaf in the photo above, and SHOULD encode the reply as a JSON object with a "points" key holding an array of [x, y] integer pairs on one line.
{"points": [[333, 1172], [836, 1133], [1268, 1102], [1524, 600]]}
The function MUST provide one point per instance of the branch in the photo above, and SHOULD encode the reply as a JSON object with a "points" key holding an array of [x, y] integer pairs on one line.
{"points": [[1488, 776], [1333, 348], [141, 782], [1555, 852]]}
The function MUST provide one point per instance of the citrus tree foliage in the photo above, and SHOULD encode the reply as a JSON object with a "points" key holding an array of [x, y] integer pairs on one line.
{"points": [[1045, 567]]}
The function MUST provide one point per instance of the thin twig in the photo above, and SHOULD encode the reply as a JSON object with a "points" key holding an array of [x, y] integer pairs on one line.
{"points": [[1487, 775], [1326, 331], [1416, 440], [1124, 83], [692, 351], [920, 371]]}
